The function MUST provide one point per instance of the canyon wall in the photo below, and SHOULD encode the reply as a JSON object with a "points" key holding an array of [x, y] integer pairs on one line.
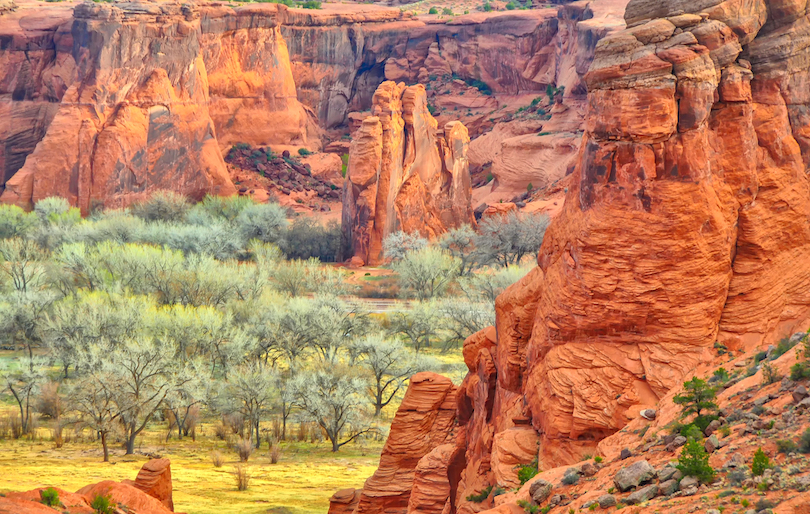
{"points": [[687, 224], [403, 174], [116, 101]]}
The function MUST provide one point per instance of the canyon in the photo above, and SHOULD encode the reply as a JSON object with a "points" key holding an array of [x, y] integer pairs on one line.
{"points": [[135, 97], [684, 228]]}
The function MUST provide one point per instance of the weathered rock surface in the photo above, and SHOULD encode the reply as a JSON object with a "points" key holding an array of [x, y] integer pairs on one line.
{"points": [[423, 422], [150, 493], [155, 479], [685, 223], [149, 104], [403, 174], [344, 501]]}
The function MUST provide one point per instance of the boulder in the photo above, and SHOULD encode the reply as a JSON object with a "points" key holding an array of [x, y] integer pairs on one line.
{"points": [[632, 476], [642, 495], [155, 479], [540, 491], [606, 501], [344, 501]]}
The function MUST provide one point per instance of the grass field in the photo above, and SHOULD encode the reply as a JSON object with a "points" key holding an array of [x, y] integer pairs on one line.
{"points": [[301, 482]]}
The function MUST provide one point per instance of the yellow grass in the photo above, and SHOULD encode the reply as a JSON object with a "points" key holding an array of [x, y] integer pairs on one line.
{"points": [[301, 482]]}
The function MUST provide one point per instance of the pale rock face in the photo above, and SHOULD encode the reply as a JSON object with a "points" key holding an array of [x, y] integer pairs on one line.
{"points": [[411, 177]]}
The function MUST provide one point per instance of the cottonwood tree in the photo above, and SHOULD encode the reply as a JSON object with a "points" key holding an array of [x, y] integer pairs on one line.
{"points": [[23, 384], [23, 264], [426, 273], [418, 324], [390, 364], [506, 239], [139, 376], [334, 400], [251, 392], [460, 318], [487, 285], [398, 244], [190, 391], [286, 331], [460, 243], [336, 324], [94, 400]]}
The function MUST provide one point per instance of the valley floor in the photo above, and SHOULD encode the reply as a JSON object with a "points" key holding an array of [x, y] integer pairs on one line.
{"points": [[300, 483]]}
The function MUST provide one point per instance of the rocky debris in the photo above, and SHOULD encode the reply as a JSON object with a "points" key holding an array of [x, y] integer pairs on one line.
{"points": [[540, 491], [642, 495], [126, 495], [606, 501], [634, 475], [799, 394], [344, 501], [403, 174], [286, 173], [689, 486]]}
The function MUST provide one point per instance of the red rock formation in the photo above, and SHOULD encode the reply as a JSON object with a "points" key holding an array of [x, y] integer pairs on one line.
{"points": [[155, 479], [423, 421], [403, 174], [685, 223], [344, 501], [143, 105], [131, 496]]}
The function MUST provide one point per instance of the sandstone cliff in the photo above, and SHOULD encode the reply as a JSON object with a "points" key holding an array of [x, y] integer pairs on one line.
{"points": [[403, 174], [115, 101], [686, 224]]}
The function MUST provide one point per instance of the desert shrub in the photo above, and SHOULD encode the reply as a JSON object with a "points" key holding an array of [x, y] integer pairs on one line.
{"points": [[244, 448], [570, 478], [770, 375], [220, 432], [694, 461], [103, 504], [433, 10], [498, 491], [505, 240], [56, 211], [487, 7], [530, 508], [398, 244], [162, 206], [447, 11], [217, 459], [303, 152], [49, 497], [786, 446], [784, 346], [15, 222], [527, 471], [264, 222], [737, 477], [275, 453], [597, 459], [309, 4], [481, 496], [306, 238], [691, 431], [242, 477], [800, 371], [764, 504], [720, 375], [804, 441], [760, 463], [224, 207]]}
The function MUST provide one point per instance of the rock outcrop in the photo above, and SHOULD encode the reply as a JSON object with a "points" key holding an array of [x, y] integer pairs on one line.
{"points": [[403, 174], [685, 224], [120, 100], [150, 493], [424, 421]]}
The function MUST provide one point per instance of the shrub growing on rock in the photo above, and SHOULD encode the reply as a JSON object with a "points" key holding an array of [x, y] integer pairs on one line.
{"points": [[697, 399], [50, 497], [103, 504], [481, 496], [760, 463], [527, 471], [694, 461]]}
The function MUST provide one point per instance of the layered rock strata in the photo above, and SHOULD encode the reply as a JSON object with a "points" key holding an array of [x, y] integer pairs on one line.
{"points": [[403, 174], [120, 100], [686, 224]]}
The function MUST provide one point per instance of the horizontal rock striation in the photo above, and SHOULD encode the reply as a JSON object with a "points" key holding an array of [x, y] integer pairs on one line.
{"points": [[685, 224]]}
